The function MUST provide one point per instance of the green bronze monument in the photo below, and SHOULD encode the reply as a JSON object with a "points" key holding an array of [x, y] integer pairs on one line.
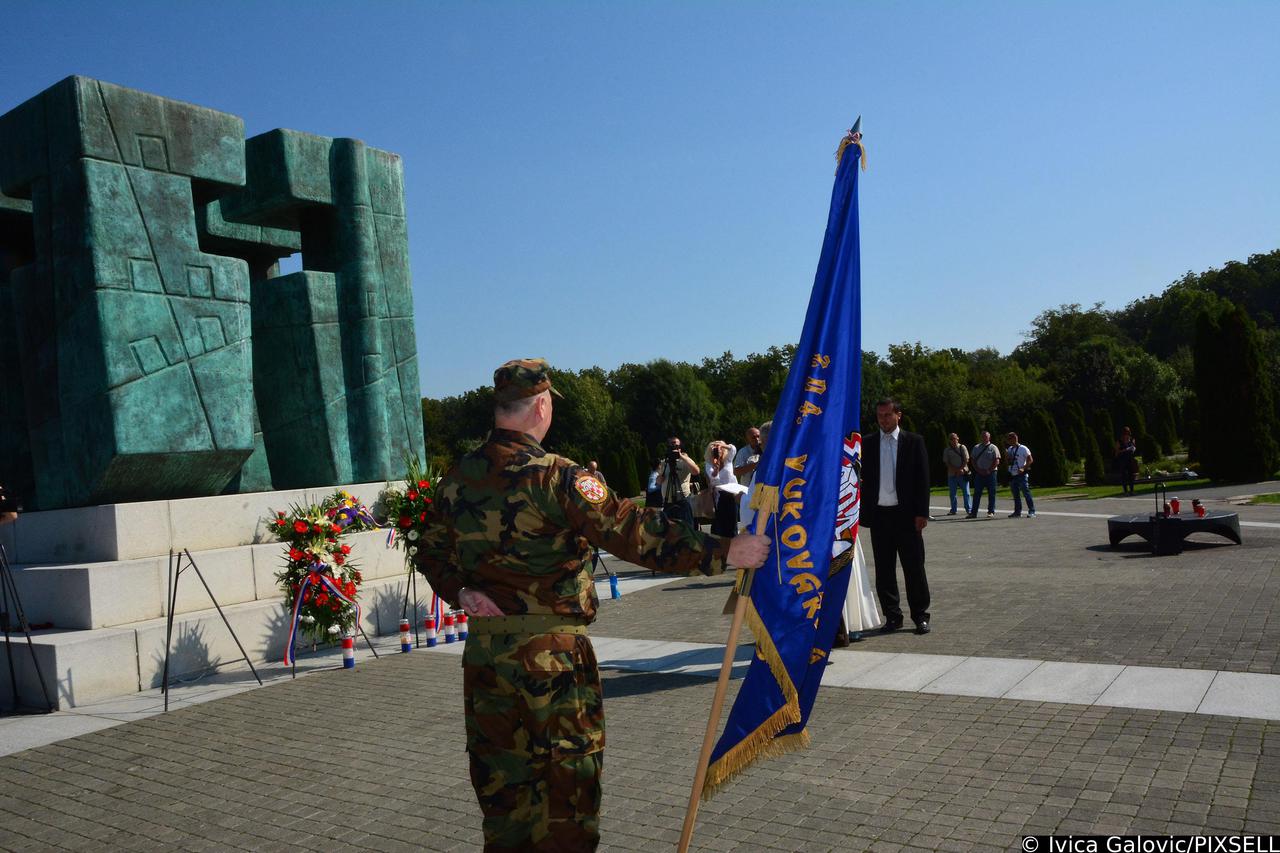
{"points": [[151, 347]]}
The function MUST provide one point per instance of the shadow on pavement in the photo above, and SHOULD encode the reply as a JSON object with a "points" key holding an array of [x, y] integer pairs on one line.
{"points": [[1142, 549], [619, 684], [725, 584]]}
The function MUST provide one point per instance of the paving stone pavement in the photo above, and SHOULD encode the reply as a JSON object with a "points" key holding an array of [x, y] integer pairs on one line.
{"points": [[371, 759], [1049, 588]]}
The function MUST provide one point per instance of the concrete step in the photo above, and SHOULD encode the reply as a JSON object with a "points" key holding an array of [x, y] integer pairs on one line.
{"points": [[90, 665], [131, 531], [84, 596]]}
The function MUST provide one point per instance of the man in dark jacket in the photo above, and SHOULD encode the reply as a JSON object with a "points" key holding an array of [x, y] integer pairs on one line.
{"points": [[895, 507]]}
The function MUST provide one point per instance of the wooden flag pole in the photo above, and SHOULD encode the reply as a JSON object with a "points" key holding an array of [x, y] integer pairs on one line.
{"points": [[717, 705]]}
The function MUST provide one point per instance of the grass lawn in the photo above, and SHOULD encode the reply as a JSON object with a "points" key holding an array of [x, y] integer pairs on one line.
{"points": [[1176, 487], [1266, 499]]}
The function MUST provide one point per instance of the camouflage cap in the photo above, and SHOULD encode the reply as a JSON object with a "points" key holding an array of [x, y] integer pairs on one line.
{"points": [[522, 377]]}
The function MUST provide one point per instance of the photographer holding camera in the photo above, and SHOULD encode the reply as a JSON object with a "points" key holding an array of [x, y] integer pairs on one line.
{"points": [[720, 474], [673, 480]]}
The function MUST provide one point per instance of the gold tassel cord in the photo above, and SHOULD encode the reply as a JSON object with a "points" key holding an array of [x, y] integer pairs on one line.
{"points": [[777, 549], [862, 151], [765, 499]]}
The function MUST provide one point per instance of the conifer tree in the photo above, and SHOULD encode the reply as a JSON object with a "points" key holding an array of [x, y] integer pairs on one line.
{"points": [[1075, 419], [935, 441], [1070, 441], [1050, 468], [619, 469], [1191, 427], [1131, 416], [1237, 418], [1162, 425], [1095, 468], [1105, 433]]}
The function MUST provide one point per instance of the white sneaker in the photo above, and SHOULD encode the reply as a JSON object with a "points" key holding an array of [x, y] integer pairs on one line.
{"points": [[1031, 514]]}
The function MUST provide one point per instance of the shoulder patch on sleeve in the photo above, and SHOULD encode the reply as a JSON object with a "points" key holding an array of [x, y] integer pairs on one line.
{"points": [[591, 489]]}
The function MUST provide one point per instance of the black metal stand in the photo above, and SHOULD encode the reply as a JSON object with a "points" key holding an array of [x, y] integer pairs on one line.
{"points": [[367, 641], [175, 573], [404, 612], [8, 595]]}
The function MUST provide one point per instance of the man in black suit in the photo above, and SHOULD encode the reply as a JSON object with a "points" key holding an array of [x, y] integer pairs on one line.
{"points": [[896, 509]]}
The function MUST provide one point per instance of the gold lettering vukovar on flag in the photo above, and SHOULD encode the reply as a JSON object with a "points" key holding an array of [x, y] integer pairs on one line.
{"points": [[806, 501]]}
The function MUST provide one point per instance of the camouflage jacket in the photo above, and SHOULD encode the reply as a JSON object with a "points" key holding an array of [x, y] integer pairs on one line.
{"points": [[517, 523]]}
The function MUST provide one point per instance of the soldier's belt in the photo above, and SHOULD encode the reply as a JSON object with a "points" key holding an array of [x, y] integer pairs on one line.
{"points": [[532, 624]]}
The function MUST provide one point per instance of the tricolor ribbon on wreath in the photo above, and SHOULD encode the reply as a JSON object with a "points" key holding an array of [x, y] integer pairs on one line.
{"points": [[315, 576]]}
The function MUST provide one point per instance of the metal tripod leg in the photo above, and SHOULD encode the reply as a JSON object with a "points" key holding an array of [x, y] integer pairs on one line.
{"points": [[225, 621], [175, 572], [9, 587]]}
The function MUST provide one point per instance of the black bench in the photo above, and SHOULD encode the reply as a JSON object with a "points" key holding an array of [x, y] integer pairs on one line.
{"points": [[1226, 524]]}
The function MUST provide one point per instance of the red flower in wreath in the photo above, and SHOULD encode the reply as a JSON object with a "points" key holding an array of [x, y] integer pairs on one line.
{"points": [[422, 517], [338, 559], [359, 578], [413, 496], [349, 589], [296, 554], [346, 549], [300, 526], [322, 598], [405, 521], [316, 528]]}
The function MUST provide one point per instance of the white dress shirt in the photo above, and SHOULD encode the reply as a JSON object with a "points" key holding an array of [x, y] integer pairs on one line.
{"points": [[889, 467], [723, 477], [1017, 458]]}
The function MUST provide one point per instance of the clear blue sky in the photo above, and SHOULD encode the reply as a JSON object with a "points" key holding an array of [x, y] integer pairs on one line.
{"points": [[609, 182]]}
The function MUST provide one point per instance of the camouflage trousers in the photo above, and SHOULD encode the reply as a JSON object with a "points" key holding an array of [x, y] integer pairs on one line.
{"points": [[535, 735]]}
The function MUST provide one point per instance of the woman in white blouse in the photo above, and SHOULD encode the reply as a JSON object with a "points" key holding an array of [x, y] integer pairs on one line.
{"points": [[719, 468]]}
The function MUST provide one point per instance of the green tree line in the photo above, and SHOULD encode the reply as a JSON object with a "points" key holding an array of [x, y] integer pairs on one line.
{"points": [[1193, 368]]}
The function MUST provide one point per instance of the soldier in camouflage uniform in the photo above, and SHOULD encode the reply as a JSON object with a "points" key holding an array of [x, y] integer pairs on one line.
{"points": [[510, 541]]}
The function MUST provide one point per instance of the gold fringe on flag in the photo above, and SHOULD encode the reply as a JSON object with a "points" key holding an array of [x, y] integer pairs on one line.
{"points": [[845, 143], [761, 742]]}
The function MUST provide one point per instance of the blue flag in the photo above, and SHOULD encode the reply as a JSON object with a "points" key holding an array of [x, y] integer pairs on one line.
{"points": [[806, 501]]}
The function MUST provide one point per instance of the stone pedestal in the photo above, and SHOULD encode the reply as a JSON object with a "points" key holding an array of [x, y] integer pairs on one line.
{"points": [[99, 574]]}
